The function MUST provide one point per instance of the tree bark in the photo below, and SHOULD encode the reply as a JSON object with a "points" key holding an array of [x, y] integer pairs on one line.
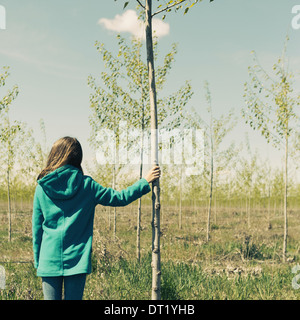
{"points": [[211, 176], [115, 209], [138, 230], [156, 266], [9, 206], [216, 192], [210, 198], [180, 199], [285, 235], [269, 209], [249, 209], [109, 222]]}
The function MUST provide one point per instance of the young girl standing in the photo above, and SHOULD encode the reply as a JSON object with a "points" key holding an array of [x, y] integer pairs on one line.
{"points": [[63, 214]]}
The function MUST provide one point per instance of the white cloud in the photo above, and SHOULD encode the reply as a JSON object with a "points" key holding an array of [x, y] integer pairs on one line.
{"points": [[129, 22]]}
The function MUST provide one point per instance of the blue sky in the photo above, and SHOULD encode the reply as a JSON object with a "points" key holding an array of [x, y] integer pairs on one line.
{"points": [[49, 46]]}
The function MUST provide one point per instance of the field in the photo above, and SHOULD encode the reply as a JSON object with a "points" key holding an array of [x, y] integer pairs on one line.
{"points": [[214, 104], [239, 262]]}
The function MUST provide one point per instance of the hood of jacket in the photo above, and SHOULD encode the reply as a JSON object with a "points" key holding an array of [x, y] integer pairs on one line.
{"points": [[63, 183]]}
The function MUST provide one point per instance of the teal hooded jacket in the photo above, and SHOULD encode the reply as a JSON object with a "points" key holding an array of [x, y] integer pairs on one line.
{"points": [[63, 215]]}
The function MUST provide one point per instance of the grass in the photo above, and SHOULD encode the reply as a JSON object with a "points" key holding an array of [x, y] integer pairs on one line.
{"points": [[130, 280], [239, 263]]}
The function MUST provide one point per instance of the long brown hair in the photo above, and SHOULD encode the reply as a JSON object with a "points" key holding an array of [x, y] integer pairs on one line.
{"points": [[66, 150]]}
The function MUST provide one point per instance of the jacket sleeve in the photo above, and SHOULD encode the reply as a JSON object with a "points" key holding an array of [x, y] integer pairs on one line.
{"points": [[37, 230], [113, 198]]}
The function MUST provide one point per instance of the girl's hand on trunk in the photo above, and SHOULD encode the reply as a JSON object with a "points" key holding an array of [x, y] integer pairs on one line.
{"points": [[153, 174]]}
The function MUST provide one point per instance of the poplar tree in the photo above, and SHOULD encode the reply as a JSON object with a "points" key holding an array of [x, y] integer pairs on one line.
{"points": [[124, 96], [271, 109], [216, 158], [8, 133], [246, 177], [147, 8], [11, 94]]}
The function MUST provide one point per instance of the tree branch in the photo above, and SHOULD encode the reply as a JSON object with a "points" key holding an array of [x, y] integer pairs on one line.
{"points": [[167, 7], [139, 2]]}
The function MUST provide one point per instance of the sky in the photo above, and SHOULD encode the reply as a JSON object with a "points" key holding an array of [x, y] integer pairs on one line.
{"points": [[49, 46]]}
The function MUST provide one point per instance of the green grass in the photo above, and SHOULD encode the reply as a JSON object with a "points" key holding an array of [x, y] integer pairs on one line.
{"points": [[130, 280], [238, 263]]}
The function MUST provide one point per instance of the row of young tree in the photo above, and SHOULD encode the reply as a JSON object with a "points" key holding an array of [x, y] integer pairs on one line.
{"points": [[271, 108], [123, 96], [126, 89]]}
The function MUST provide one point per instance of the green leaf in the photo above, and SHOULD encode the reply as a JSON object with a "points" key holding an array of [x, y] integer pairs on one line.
{"points": [[125, 4]]}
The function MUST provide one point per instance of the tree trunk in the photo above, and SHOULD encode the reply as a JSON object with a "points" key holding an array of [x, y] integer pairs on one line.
{"points": [[21, 201], [249, 210], [9, 206], [115, 209], [210, 201], [156, 267], [269, 209], [180, 199], [216, 205], [246, 206], [109, 222], [211, 177], [138, 229], [285, 200]]}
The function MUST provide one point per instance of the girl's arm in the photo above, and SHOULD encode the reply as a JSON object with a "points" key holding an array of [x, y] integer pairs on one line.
{"points": [[37, 230], [113, 198]]}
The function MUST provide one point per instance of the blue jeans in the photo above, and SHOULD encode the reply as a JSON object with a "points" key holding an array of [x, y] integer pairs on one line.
{"points": [[73, 287]]}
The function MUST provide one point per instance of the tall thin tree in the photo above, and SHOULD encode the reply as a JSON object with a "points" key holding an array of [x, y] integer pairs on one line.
{"points": [[216, 157], [146, 6], [271, 109], [7, 134]]}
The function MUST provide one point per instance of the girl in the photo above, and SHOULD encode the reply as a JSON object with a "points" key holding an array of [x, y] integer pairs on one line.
{"points": [[62, 221]]}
